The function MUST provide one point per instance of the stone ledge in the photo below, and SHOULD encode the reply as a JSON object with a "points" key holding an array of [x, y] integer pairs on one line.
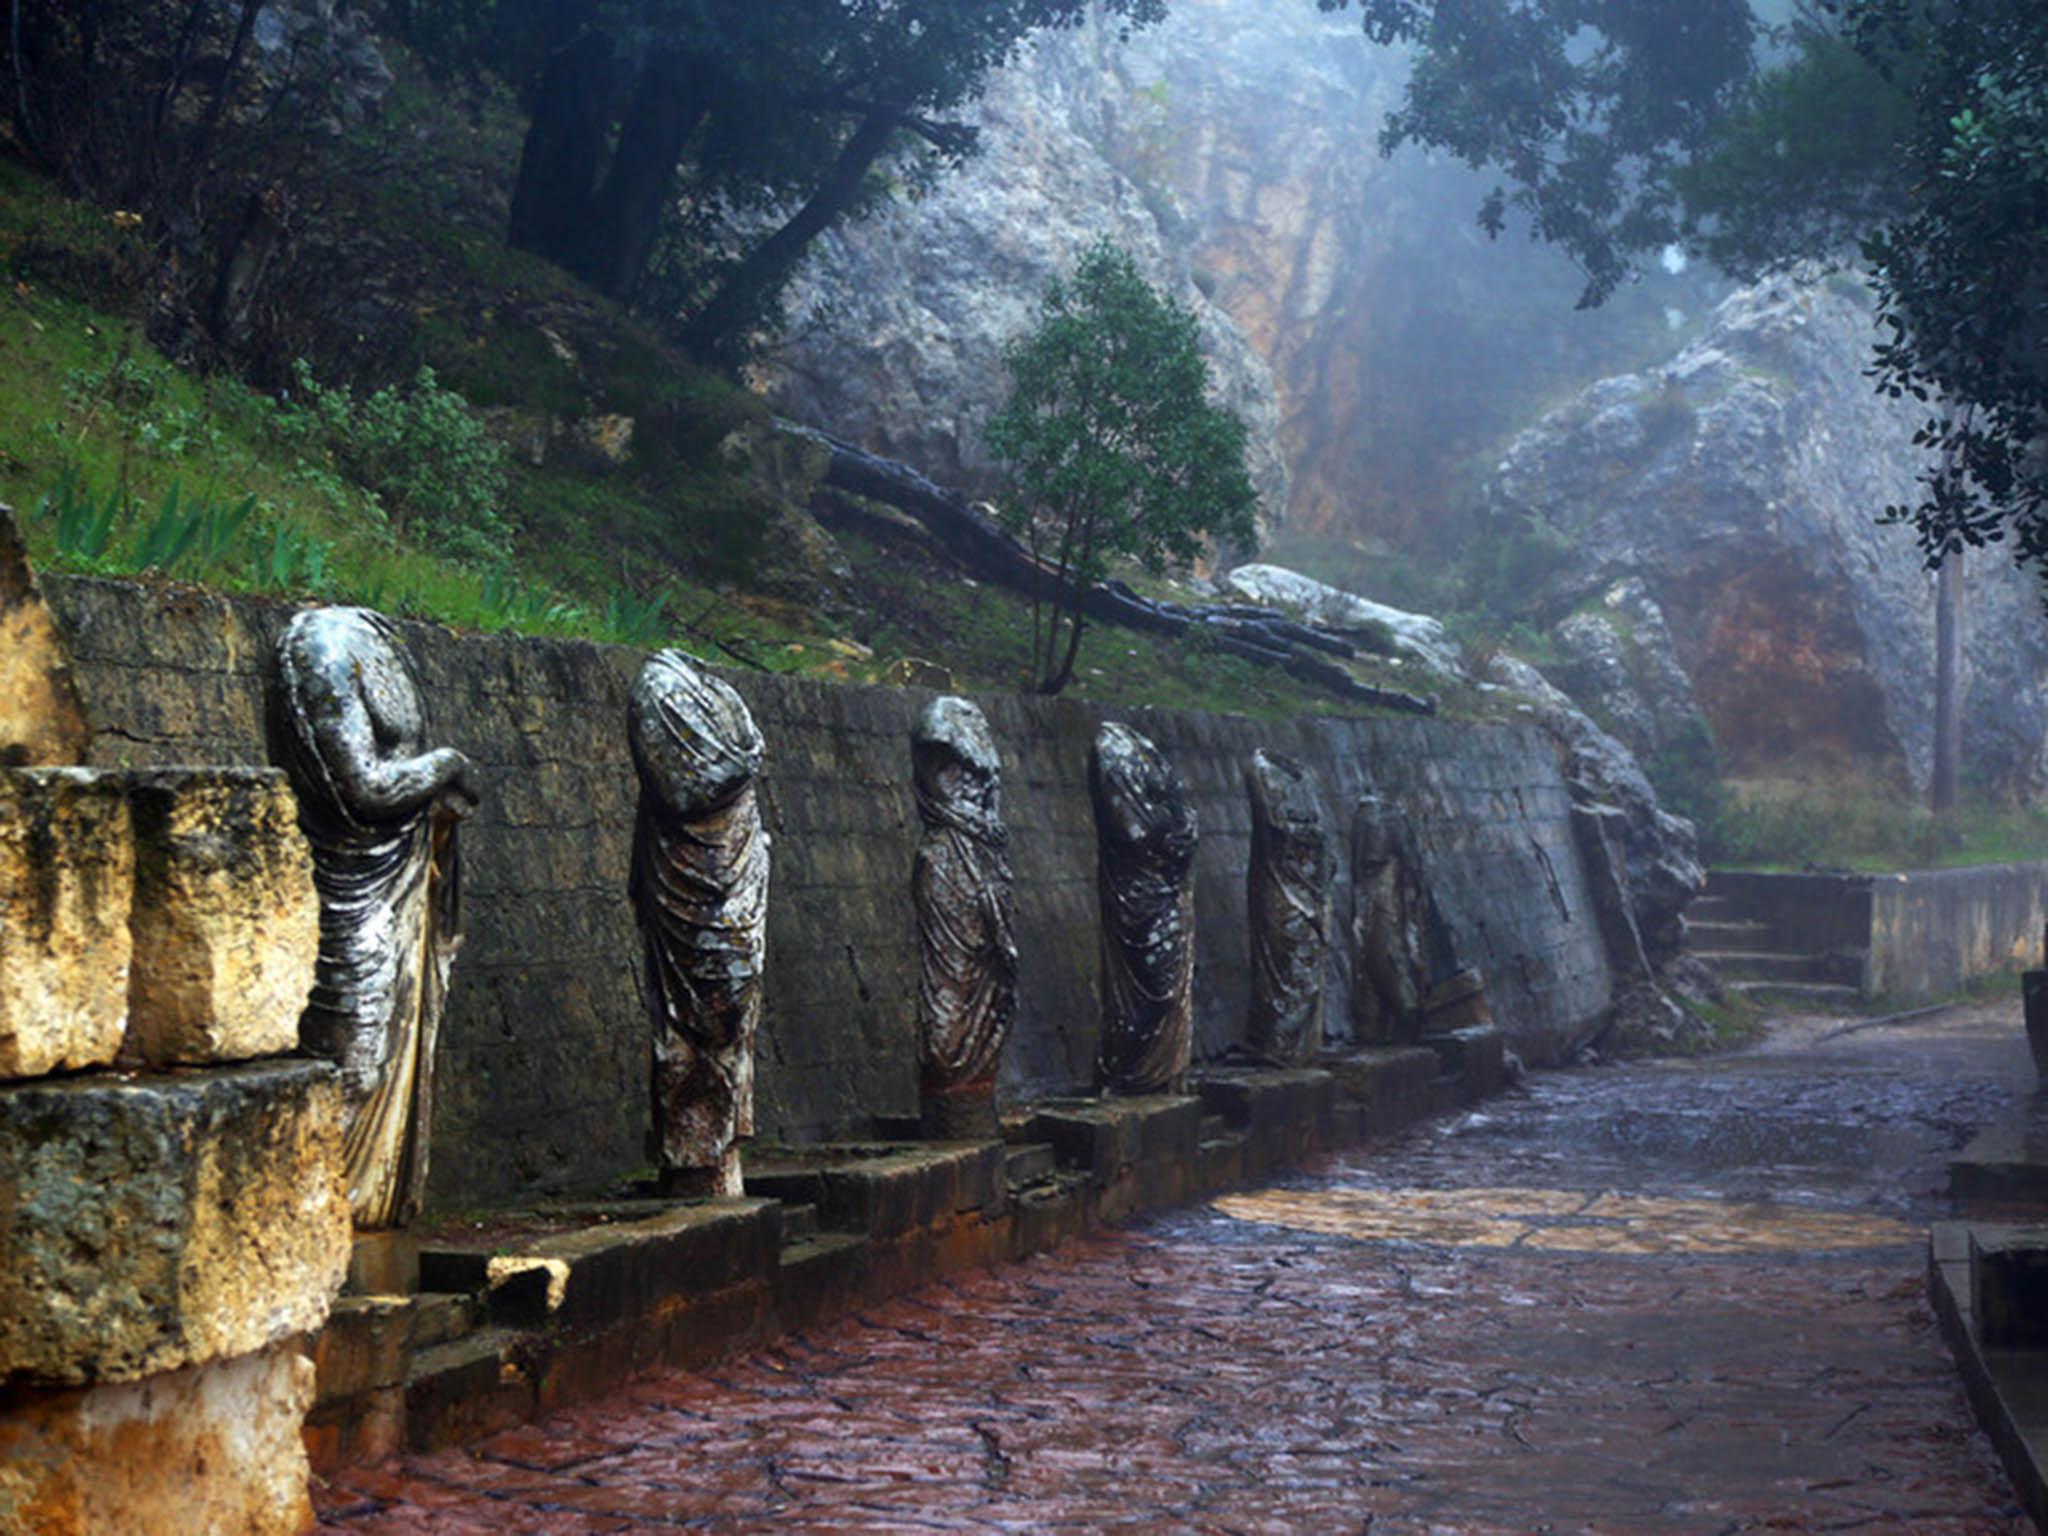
{"points": [[152, 1223], [2007, 1388], [67, 880], [226, 922], [883, 1191]]}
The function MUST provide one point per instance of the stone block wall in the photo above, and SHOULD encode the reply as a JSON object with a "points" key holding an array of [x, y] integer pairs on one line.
{"points": [[544, 1067], [1933, 931]]}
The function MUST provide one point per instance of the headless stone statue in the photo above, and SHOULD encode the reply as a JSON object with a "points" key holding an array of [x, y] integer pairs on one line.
{"points": [[967, 948], [700, 889], [1287, 891], [1390, 968], [381, 812], [1145, 843]]}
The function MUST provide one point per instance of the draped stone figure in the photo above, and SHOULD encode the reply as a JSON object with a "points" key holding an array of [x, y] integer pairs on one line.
{"points": [[1287, 894], [1145, 844], [1389, 911], [381, 813], [700, 889], [967, 948]]}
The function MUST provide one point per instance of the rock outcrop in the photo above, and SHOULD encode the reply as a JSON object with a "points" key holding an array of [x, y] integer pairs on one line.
{"points": [[1706, 534], [1371, 335]]}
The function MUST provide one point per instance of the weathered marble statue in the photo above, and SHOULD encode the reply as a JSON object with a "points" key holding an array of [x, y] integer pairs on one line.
{"points": [[1145, 842], [700, 888], [381, 813], [1287, 894], [967, 948], [1389, 910]]}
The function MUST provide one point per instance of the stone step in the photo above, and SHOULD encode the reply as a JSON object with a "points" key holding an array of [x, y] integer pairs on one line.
{"points": [[1713, 908], [1800, 994], [1770, 965], [467, 1388], [440, 1318], [1728, 934], [799, 1223], [1212, 1128], [1030, 1163]]}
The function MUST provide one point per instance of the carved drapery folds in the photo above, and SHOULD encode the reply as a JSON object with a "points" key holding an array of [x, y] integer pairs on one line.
{"points": [[700, 889], [1287, 891], [1145, 841], [967, 947], [1390, 966], [381, 813]]}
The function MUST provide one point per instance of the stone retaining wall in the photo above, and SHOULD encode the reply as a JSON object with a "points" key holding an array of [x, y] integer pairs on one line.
{"points": [[544, 1071]]}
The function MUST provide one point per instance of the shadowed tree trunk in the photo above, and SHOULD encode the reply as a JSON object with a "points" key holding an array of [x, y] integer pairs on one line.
{"points": [[565, 145], [626, 214], [736, 303]]}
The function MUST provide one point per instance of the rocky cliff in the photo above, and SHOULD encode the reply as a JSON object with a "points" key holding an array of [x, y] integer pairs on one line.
{"points": [[1375, 340], [1706, 533]]}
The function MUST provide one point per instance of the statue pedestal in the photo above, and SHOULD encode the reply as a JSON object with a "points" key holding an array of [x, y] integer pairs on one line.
{"points": [[722, 1182], [960, 1117]]}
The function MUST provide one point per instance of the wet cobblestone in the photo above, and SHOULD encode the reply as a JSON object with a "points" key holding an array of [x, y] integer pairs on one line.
{"points": [[1203, 1373]]}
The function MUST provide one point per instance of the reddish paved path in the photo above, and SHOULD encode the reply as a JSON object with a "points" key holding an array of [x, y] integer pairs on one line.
{"points": [[1209, 1374]]}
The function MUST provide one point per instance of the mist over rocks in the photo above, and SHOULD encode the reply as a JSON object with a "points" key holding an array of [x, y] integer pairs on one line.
{"points": [[1376, 342], [1735, 492]]}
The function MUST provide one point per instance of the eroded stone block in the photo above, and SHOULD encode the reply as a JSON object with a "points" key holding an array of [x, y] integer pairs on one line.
{"points": [[210, 1448], [41, 720], [226, 923], [67, 875], [153, 1223]]}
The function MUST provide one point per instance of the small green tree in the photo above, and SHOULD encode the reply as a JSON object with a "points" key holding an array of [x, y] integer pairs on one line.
{"points": [[1112, 444]]}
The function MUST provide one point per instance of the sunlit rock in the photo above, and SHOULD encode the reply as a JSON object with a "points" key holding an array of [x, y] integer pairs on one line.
{"points": [[1145, 843], [212, 1448], [67, 877], [226, 920], [381, 811], [700, 888], [1287, 894], [967, 945], [42, 722], [151, 1223], [1415, 636]]}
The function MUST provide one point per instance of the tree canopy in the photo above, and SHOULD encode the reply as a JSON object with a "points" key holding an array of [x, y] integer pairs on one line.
{"points": [[1112, 443], [1910, 133]]}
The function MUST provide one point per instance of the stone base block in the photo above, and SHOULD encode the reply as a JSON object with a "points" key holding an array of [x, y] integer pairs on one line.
{"points": [[1476, 1056], [214, 1448], [960, 1117], [1393, 1086], [147, 1224], [67, 878], [227, 922]]}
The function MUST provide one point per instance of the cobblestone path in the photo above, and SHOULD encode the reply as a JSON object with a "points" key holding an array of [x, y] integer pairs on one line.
{"points": [[1658, 1299]]}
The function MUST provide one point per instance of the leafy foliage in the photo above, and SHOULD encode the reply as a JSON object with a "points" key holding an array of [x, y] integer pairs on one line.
{"points": [[420, 449], [1112, 445]]}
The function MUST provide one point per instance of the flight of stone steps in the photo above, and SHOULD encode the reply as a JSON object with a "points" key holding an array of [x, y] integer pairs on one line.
{"points": [[1755, 961]]}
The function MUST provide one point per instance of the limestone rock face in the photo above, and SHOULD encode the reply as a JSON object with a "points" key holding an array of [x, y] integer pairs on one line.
{"points": [[67, 871], [1738, 487], [214, 1448], [41, 719], [1371, 336], [155, 1223], [226, 922], [1661, 851]]}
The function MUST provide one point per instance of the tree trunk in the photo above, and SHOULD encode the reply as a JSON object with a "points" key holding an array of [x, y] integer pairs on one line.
{"points": [[202, 141], [738, 300], [1948, 687], [565, 144], [626, 214]]}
